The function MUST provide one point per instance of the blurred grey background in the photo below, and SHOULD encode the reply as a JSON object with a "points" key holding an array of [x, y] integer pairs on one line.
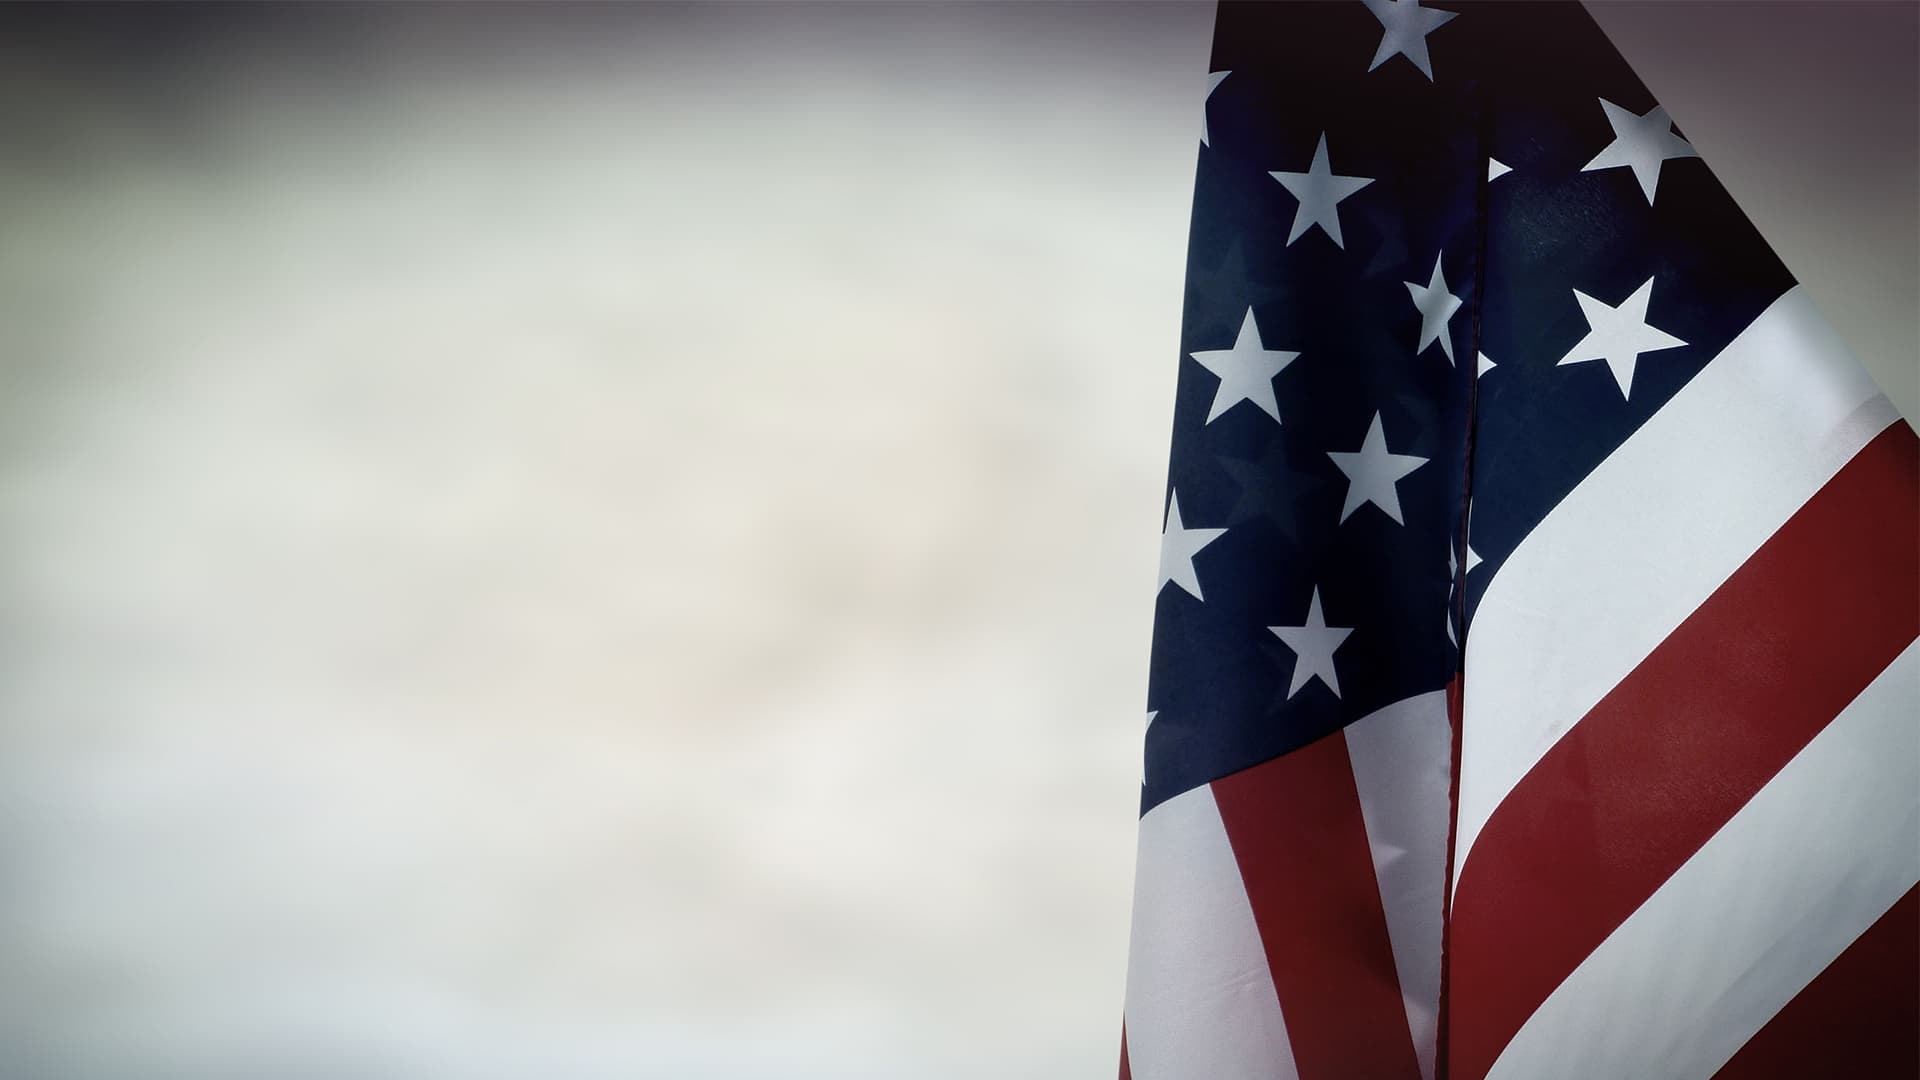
{"points": [[598, 541]]}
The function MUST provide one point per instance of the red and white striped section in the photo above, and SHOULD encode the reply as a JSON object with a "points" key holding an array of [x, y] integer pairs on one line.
{"points": [[1287, 918], [1689, 755]]}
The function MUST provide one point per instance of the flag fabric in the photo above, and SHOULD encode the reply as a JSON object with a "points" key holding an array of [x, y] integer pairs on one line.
{"points": [[1533, 679]]}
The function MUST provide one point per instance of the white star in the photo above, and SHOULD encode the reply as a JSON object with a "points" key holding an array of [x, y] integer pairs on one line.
{"points": [[1640, 143], [1485, 365], [1178, 545], [1246, 371], [1143, 756], [1453, 570], [1497, 169], [1373, 472], [1313, 646], [1406, 25], [1436, 305], [1213, 83], [1319, 192], [1473, 558], [1619, 335]]}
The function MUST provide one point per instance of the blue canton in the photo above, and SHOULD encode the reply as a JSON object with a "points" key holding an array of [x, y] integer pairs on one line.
{"points": [[1350, 264]]}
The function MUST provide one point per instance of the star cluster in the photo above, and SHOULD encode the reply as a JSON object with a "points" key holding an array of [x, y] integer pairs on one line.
{"points": [[1342, 485]]}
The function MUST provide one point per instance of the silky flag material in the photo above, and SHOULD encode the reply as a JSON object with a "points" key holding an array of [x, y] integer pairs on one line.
{"points": [[1533, 685]]}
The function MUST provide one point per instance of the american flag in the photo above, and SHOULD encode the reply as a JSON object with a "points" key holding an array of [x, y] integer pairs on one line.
{"points": [[1533, 685]]}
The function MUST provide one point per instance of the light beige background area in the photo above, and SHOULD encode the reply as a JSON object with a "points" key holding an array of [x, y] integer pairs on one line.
{"points": [[604, 542]]}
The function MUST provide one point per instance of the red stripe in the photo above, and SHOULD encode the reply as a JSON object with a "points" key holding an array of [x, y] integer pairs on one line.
{"points": [[1860, 1017], [1295, 826], [1660, 764], [1126, 1071]]}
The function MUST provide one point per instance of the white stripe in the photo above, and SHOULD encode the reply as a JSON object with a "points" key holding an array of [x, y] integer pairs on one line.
{"points": [[1401, 757], [1649, 534], [1819, 854], [1200, 999]]}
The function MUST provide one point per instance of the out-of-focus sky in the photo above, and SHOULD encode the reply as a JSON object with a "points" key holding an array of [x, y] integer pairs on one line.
{"points": [[618, 541]]}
